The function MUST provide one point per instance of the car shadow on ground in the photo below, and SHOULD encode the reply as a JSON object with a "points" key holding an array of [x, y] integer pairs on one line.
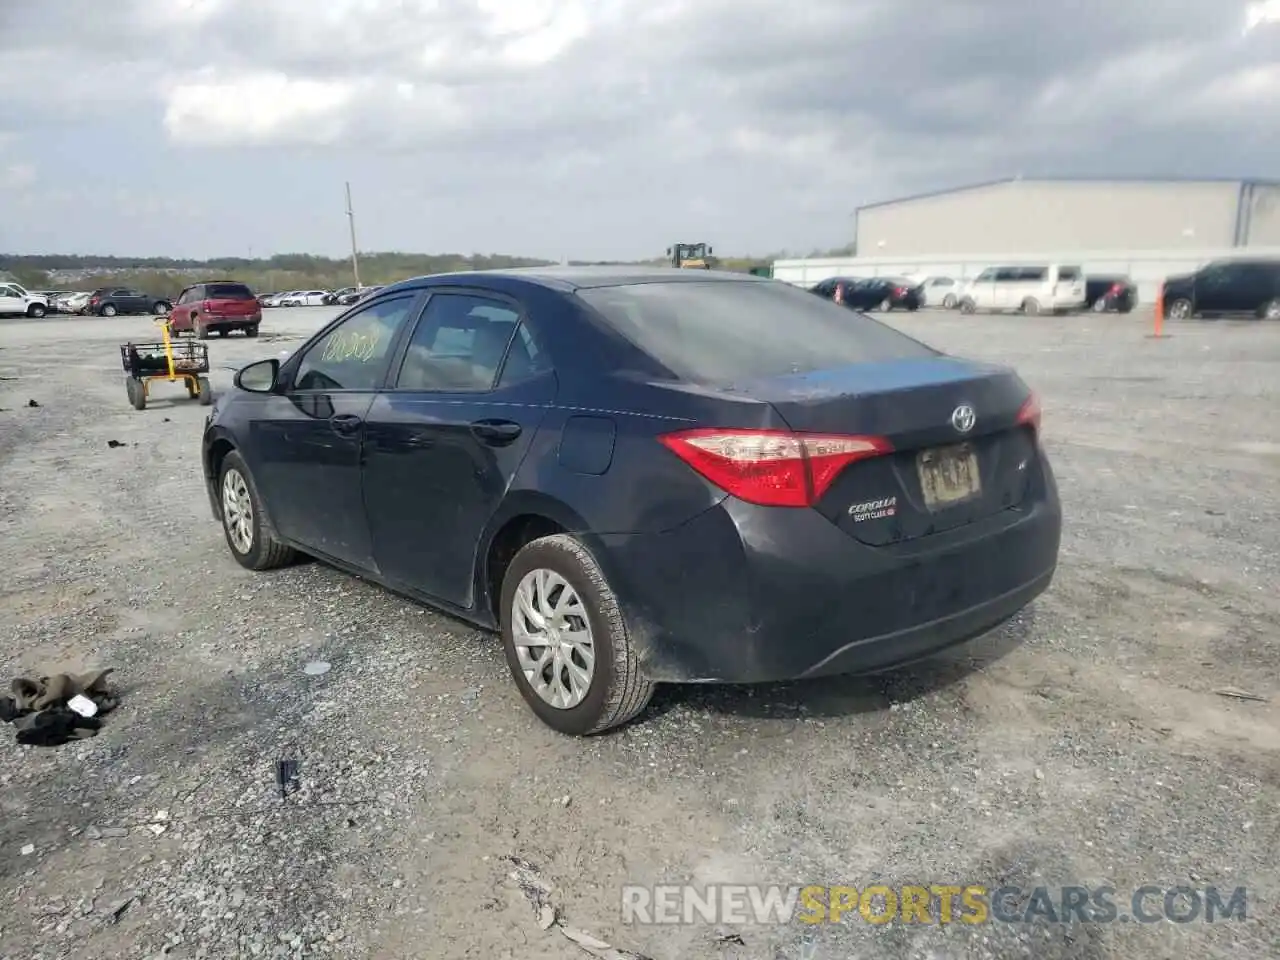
{"points": [[848, 695]]}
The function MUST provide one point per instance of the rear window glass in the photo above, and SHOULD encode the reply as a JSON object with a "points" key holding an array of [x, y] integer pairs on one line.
{"points": [[227, 291], [1068, 273], [721, 332]]}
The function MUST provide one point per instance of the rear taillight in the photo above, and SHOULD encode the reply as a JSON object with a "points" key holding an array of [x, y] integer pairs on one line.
{"points": [[771, 468], [1029, 415], [899, 291], [1116, 290]]}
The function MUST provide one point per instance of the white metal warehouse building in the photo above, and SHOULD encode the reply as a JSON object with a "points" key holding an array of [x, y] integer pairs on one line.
{"points": [[1147, 229]]}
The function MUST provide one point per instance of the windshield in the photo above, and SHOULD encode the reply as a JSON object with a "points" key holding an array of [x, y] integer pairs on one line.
{"points": [[228, 291], [722, 332]]}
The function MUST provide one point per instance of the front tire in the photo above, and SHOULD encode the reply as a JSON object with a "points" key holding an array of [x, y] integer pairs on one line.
{"points": [[1179, 309], [968, 306], [204, 391], [250, 540], [949, 301], [251, 331], [160, 309], [566, 643], [36, 311], [1270, 310], [1031, 307], [1100, 305]]}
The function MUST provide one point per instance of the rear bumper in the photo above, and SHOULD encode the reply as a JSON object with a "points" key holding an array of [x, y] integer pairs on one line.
{"points": [[745, 594]]}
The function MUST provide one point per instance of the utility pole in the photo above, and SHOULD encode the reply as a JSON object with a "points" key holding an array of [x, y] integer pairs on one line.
{"points": [[351, 219]]}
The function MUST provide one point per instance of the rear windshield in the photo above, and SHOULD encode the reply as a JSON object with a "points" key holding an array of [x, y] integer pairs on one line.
{"points": [[227, 291], [721, 332]]}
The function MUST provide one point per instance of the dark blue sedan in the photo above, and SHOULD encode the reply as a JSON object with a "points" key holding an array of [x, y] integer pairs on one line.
{"points": [[645, 476]]}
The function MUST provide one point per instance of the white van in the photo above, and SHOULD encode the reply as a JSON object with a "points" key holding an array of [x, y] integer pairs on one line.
{"points": [[1026, 288]]}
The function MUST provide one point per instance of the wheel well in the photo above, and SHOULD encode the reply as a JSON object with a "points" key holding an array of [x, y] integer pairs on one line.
{"points": [[515, 533], [217, 453]]}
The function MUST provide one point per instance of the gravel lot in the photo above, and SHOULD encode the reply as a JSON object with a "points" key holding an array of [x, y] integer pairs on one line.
{"points": [[1082, 744]]}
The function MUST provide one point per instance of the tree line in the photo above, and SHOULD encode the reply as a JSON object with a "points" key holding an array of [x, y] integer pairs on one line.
{"points": [[167, 276]]}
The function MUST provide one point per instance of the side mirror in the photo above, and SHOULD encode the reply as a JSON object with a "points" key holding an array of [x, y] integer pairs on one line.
{"points": [[710, 250], [258, 377]]}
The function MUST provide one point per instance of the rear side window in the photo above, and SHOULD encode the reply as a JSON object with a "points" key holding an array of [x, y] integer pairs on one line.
{"points": [[1069, 273], [227, 291], [722, 332]]}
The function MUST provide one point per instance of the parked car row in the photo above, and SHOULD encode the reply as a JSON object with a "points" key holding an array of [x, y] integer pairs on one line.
{"points": [[317, 298], [1022, 288]]}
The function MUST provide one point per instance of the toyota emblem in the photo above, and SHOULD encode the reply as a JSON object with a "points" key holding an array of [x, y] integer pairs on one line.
{"points": [[963, 418]]}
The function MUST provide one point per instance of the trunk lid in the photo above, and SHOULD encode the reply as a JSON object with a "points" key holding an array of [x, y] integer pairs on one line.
{"points": [[939, 476]]}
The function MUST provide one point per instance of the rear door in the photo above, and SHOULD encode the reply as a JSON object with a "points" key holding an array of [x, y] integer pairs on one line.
{"points": [[1014, 284], [443, 446], [306, 445]]}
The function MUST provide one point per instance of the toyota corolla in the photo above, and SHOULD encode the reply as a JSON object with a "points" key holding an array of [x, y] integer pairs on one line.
{"points": [[645, 476]]}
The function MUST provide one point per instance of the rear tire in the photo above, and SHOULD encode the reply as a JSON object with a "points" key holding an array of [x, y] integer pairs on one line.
{"points": [[200, 330], [137, 393], [205, 394], [1100, 305], [259, 550], [968, 306], [108, 310], [251, 331], [617, 689], [949, 301], [885, 306], [160, 309], [1269, 310]]}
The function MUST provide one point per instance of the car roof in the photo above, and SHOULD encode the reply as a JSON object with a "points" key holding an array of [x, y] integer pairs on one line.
{"points": [[582, 278]]}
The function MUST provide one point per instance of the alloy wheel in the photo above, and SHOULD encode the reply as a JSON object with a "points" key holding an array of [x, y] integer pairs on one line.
{"points": [[552, 638], [237, 510]]}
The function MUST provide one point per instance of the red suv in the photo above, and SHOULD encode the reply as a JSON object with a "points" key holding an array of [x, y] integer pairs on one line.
{"points": [[218, 306]]}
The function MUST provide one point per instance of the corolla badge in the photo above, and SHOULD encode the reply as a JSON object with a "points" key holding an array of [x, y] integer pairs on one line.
{"points": [[963, 418]]}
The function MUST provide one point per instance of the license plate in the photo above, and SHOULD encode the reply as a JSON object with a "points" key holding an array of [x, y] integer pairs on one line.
{"points": [[949, 475]]}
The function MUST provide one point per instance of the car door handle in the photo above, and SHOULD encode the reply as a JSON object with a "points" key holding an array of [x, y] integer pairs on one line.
{"points": [[496, 432], [345, 423]]}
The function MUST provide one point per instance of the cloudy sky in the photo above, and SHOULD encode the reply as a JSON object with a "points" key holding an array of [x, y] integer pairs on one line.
{"points": [[592, 128]]}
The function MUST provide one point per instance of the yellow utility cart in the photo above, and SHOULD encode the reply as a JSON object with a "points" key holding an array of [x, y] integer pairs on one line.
{"points": [[169, 359]]}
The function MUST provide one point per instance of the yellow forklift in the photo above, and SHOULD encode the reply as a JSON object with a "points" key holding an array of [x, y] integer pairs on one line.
{"points": [[692, 256]]}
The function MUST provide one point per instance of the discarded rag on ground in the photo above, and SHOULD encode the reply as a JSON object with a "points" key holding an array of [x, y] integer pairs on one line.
{"points": [[38, 708]]}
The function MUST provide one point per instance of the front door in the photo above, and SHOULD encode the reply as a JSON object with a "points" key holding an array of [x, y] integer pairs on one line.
{"points": [[982, 290], [1219, 289], [443, 445], [306, 444]]}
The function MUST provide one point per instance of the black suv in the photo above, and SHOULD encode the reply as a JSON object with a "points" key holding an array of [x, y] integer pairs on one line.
{"points": [[1225, 288], [109, 301]]}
